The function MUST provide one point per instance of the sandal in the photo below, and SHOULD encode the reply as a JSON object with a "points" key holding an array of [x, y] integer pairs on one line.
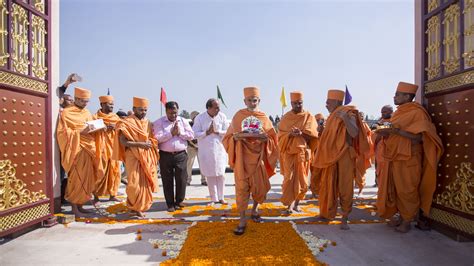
{"points": [[239, 230], [256, 218], [423, 226], [394, 222]]}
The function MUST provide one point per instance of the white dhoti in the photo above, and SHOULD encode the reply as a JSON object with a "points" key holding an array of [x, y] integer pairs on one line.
{"points": [[211, 153], [216, 184]]}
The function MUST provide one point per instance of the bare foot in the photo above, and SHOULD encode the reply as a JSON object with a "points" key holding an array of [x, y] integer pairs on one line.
{"points": [[297, 208], [256, 217], [394, 221], [95, 200], [404, 227], [113, 198], [321, 218], [137, 213], [242, 223], [344, 225], [77, 211]]}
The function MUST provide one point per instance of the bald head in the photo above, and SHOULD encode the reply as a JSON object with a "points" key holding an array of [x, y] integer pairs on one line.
{"points": [[66, 101], [386, 112]]}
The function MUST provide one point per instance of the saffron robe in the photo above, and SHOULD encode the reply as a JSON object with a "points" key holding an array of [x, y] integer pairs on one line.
{"points": [[408, 180], [336, 157], [78, 154], [109, 170], [363, 161], [252, 160], [140, 164], [295, 154]]}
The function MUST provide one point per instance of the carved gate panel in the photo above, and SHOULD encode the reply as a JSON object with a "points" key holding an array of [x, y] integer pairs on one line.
{"points": [[25, 114], [449, 97]]}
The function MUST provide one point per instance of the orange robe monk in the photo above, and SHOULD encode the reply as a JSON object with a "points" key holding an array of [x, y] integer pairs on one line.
{"points": [[379, 147], [408, 179], [109, 171], [253, 161], [78, 151], [295, 132], [251, 144], [336, 157], [315, 179], [140, 163], [363, 161]]}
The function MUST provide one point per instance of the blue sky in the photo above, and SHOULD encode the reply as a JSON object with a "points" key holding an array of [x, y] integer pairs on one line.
{"points": [[135, 47]]}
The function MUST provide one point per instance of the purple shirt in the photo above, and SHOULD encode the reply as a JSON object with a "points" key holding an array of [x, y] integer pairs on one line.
{"points": [[167, 142]]}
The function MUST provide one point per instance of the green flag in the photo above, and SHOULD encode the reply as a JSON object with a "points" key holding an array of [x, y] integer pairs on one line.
{"points": [[219, 96]]}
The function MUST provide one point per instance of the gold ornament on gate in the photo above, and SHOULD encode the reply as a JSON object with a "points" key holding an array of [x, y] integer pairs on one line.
{"points": [[13, 192], [458, 194]]}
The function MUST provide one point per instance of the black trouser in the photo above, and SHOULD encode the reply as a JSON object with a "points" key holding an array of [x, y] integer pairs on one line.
{"points": [[173, 168], [63, 180]]}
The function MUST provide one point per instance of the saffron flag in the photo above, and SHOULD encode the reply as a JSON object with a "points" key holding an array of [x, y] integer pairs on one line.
{"points": [[219, 96], [347, 97], [163, 99], [283, 97]]}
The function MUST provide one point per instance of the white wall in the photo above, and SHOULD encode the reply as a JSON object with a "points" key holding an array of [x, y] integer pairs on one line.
{"points": [[419, 35]]}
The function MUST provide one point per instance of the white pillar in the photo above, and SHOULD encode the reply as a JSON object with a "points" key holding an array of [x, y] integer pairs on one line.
{"points": [[55, 83]]}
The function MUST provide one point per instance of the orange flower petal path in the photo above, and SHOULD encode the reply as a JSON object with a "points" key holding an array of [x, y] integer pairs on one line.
{"points": [[265, 244]]}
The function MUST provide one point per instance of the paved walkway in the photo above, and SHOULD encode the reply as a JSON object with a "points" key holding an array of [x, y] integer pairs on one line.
{"points": [[106, 244]]}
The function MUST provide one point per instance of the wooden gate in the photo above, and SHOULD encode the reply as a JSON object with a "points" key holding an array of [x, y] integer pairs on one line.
{"points": [[448, 82], [25, 114]]}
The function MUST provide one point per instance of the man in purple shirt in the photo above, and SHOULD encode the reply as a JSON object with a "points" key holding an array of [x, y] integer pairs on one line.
{"points": [[173, 132]]}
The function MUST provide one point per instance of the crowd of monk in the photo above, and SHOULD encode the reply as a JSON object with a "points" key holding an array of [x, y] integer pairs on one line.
{"points": [[334, 153]]}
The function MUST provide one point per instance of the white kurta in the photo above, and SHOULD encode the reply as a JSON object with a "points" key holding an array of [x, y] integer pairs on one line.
{"points": [[211, 152]]}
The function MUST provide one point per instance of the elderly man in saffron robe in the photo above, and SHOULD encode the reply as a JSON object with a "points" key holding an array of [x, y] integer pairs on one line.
{"points": [[109, 171], [412, 150], [78, 151], [379, 141], [138, 148], [343, 140], [251, 144], [297, 133]]}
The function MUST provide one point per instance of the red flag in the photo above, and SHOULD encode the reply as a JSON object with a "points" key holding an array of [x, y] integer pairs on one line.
{"points": [[163, 99]]}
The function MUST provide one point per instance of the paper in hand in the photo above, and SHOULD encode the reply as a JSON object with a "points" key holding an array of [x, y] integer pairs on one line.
{"points": [[95, 125]]}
